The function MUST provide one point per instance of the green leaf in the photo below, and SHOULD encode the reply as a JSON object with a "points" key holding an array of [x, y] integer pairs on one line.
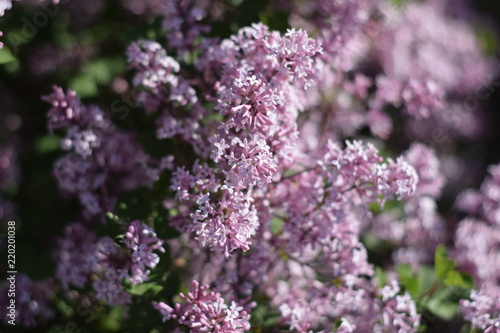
{"points": [[398, 3], [426, 278], [47, 144], [6, 56], [373, 243], [97, 72], [488, 40], [455, 278], [381, 276], [259, 314], [148, 288], [336, 325], [277, 225], [408, 279], [375, 208], [112, 321], [444, 303], [443, 310], [64, 308], [442, 263], [468, 280], [271, 321], [84, 85]]}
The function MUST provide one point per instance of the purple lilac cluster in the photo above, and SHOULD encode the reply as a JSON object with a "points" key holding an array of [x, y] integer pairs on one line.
{"points": [[75, 255], [205, 311], [437, 81], [5, 5], [476, 250], [274, 203], [166, 92], [141, 240], [255, 97], [379, 57], [80, 254], [259, 177], [182, 22], [420, 219], [483, 310], [102, 161]]}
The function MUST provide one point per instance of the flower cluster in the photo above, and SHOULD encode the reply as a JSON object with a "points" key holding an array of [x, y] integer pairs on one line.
{"points": [[113, 264], [206, 311], [476, 250], [141, 240], [399, 313], [483, 310], [421, 219], [285, 171], [102, 162], [76, 256], [478, 237]]}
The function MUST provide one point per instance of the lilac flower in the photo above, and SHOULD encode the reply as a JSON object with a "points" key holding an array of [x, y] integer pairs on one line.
{"points": [[255, 104], [380, 123], [76, 256], [426, 163], [206, 311], [397, 178], [109, 288], [399, 313], [422, 98], [141, 240], [337, 22], [425, 27], [295, 53], [5, 5], [133, 262], [421, 220], [346, 327], [476, 250], [477, 237], [182, 22], [490, 207], [483, 310], [255, 164], [227, 226], [102, 160], [154, 66], [113, 267], [64, 108], [360, 167], [80, 254], [258, 127]]}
